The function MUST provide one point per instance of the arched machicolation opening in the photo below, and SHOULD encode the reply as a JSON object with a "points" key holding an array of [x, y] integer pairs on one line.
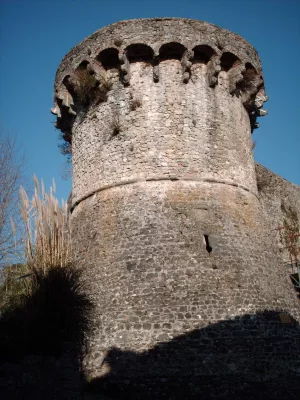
{"points": [[249, 78], [64, 123], [171, 51], [139, 53], [84, 65], [203, 54], [84, 84], [109, 58], [69, 85], [250, 73], [229, 60]]}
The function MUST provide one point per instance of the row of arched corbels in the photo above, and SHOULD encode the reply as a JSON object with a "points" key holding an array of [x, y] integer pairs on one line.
{"points": [[244, 80]]}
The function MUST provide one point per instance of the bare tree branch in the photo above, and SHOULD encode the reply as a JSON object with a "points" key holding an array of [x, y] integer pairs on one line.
{"points": [[11, 177]]}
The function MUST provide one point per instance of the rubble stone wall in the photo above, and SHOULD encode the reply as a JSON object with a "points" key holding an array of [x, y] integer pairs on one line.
{"points": [[167, 220], [280, 200]]}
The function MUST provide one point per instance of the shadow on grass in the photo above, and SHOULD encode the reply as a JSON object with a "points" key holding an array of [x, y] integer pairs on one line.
{"points": [[250, 357], [41, 337]]}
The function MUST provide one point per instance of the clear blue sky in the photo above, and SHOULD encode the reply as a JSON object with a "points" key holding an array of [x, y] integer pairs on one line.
{"points": [[35, 35]]}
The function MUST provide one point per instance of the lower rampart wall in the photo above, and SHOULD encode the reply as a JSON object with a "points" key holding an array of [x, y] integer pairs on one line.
{"points": [[280, 200], [164, 259]]}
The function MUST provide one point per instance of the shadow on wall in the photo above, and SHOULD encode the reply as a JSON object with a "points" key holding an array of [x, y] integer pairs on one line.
{"points": [[41, 335], [250, 357]]}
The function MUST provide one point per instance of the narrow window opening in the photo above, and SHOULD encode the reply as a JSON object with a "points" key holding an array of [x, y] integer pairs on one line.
{"points": [[207, 245]]}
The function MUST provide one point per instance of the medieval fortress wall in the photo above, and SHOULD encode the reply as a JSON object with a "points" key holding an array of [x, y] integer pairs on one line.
{"points": [[167, 221], [280, 201]]}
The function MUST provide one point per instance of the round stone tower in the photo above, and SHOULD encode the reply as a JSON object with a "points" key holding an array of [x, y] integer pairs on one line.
{"points": [[166, 220]]}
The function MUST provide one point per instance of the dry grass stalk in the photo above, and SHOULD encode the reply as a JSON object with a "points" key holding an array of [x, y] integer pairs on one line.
{"points": [[115, 125], [89, 88], [105, 83], [134, 104], [47, 241], [12, 165], [118, 42], [85, 84]]}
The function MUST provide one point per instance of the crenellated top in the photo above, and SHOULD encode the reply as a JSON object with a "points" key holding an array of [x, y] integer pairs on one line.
{"points": [[81, 79]]}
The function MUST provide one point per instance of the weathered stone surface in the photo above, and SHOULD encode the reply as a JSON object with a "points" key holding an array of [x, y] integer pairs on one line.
{"points": [[280, 200], [167, 220], [153, 41]]}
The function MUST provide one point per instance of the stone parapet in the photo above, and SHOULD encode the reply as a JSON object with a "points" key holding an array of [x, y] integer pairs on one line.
{"points": [[224, 55]]}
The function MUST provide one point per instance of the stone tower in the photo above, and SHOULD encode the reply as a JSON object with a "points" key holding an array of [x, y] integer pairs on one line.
{"points": [[166, 218]]}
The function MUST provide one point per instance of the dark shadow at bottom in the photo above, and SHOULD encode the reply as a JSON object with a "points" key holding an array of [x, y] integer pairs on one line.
{"points": [[250, 357]]}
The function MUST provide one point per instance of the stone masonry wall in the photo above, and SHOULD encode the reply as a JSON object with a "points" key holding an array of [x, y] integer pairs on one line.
{"points": [[278, 198], [171, 134], [167, 221], [150, 271]]}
